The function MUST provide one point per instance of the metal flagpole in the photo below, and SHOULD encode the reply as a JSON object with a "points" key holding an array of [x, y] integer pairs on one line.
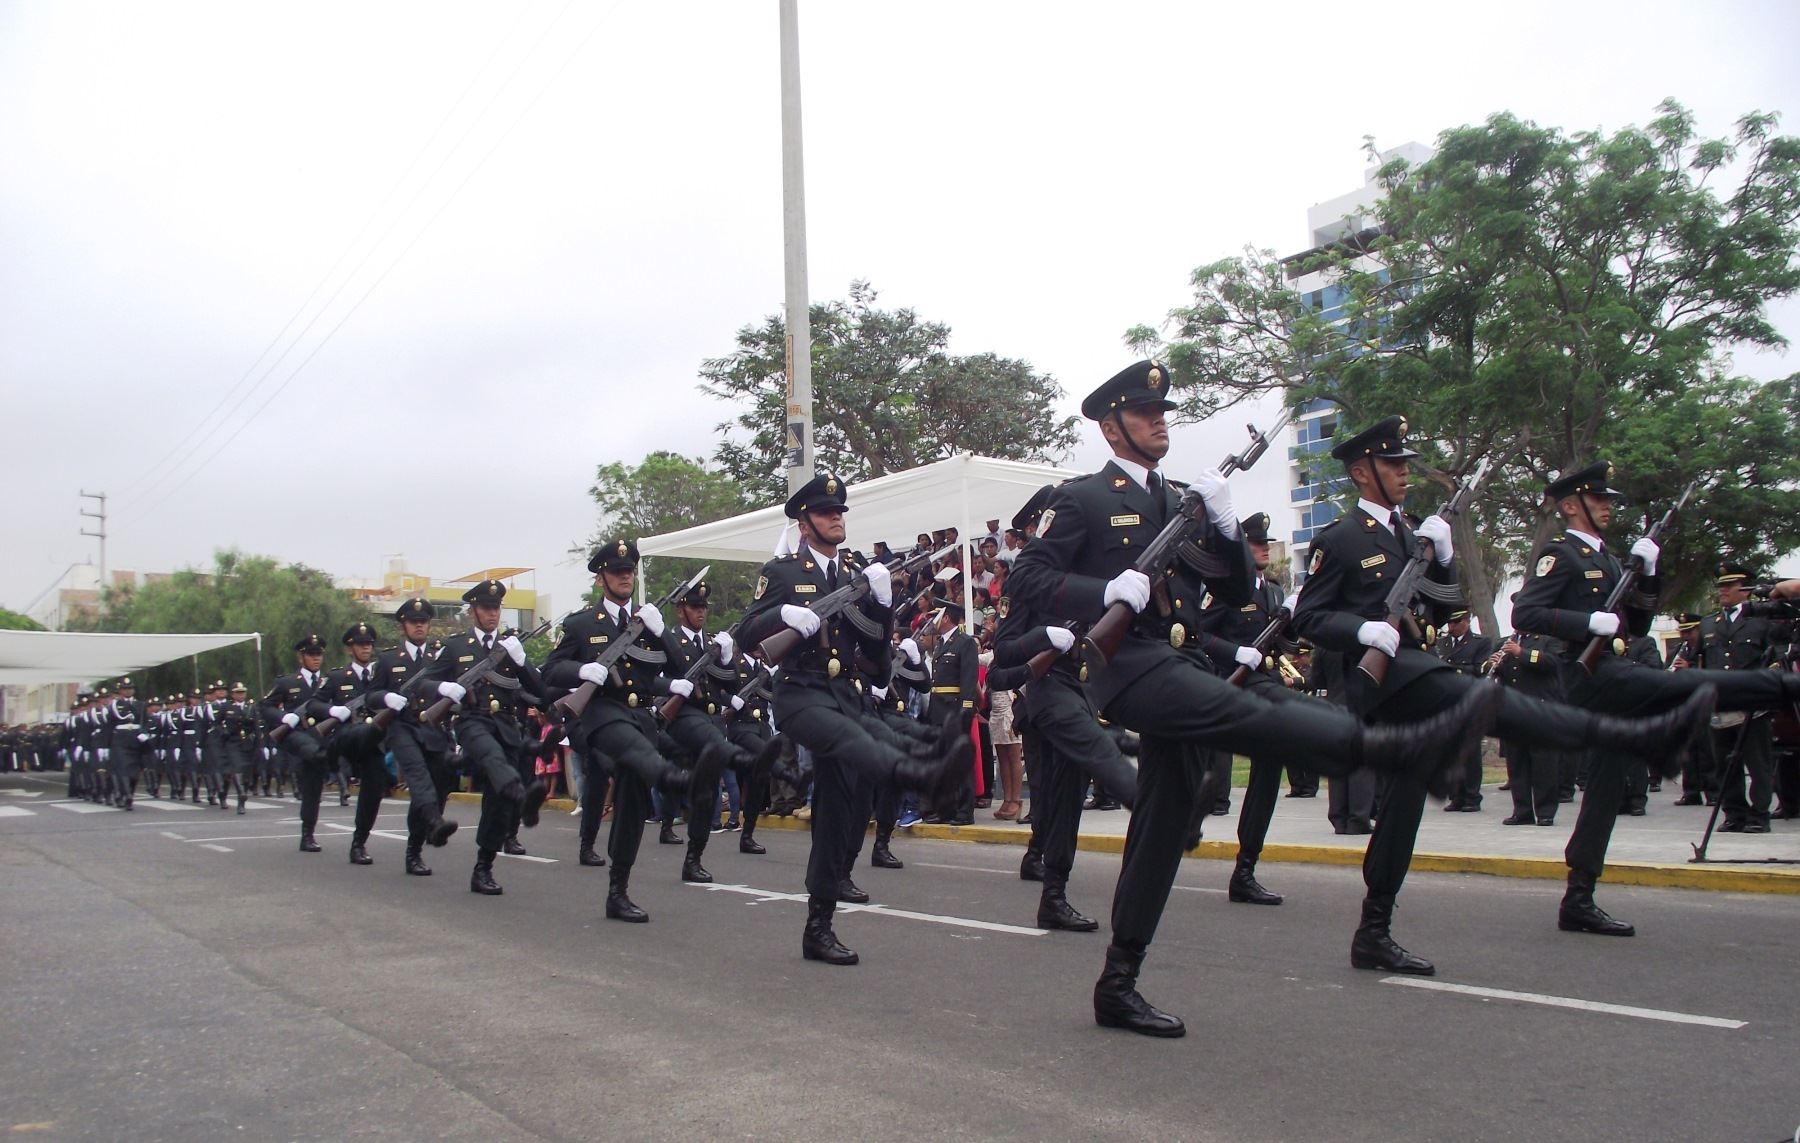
{"points": [[793, 218]]}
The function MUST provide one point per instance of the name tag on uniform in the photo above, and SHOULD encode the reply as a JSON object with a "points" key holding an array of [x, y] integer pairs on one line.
{"points": [[398, 670], [1127, 520], [1375, 561], [1248, 607], [465, 658], [596, 638], [805, 588], [1594, 574]]}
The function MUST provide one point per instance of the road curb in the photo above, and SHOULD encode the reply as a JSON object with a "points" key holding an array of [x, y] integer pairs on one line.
{"points": [[1715, 878]]}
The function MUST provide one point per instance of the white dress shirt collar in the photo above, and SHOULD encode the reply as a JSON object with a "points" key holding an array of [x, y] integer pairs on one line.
{"points": [[1383, 516], [1134, 470]]}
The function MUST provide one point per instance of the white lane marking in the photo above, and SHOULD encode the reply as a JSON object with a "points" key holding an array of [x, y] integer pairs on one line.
{"points": [[23, 793], [171, 835], [158, 804], [1566, 1002], [238, 837], [1197, 889], [396, 835], [963, 868], [267, 805], [765, 895], [16, 812], [217, 848], [86, 808]]}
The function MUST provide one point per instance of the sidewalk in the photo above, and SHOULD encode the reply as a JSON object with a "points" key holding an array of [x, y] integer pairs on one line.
{"points": [[1651, 850]]}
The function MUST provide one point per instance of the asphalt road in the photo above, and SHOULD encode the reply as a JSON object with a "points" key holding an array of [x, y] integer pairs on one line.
{"points": [[187, 975]]}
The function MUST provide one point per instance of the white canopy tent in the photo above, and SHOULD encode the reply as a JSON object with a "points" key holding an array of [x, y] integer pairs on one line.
{"points": [[36, 657], [960, 491]]}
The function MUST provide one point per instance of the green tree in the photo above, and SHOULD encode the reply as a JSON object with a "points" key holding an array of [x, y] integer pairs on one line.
{"points": [[666, 492], [241, 593], [13, 621], [1543, 298], [887, 396]]}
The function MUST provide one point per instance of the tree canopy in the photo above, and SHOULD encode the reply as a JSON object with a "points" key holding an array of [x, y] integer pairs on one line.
{"points": [[1543, 298]]}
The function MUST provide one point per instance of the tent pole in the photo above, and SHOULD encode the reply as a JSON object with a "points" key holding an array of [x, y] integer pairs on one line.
{"points": [[968, 563], [259, 675]]}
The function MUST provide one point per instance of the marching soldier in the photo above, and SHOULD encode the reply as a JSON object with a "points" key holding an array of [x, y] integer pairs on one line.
{"points": [[355, 746], [955, 690], [489, 725], [1697, 780], [420, 750], [212, 743], [817, 701], [243, 745], [747, 725], [294, 702], [1526, 664], [1343, 609], [617, 730], [1565, 596], [1468, 654], [1159, 684], [126, 739]]}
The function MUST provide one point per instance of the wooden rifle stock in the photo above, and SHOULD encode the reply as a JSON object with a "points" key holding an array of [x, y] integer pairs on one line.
{"points": [[570, 707], [1596, 646], [783, 643], [434, 714]]}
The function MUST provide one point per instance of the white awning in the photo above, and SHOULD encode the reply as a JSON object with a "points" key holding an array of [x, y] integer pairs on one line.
{"points": [[962, 492], [30, 657]]}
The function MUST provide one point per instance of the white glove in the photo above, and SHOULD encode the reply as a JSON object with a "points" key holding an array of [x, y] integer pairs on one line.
{"points": [[455, 692], [1645, 549], [881, 587], [737, 703], [593, 673], [1437, 529], [1380, 636], [800, 619], [1060, 637], [395, 700], [514, 649], [910, 649], [341, 713], [1252, 658], [727, 646], [143, 738], [290, 720], [1292, 602], [1604, 624], [1216, 492], [880, 693], [1131, 587], [682, 687], [653, 620], [104, 754]]}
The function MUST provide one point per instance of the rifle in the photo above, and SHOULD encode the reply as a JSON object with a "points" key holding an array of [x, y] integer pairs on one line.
{"points": [[570, 706], [1411, 580], [1104, 637], [781, 644], [1590, 655], [1264, 640], [323, 727], [1039, 664], [671, 706], [434, 714]]}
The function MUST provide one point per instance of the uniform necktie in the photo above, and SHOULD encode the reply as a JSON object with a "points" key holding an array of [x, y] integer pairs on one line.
{"points": [[831, 575]]}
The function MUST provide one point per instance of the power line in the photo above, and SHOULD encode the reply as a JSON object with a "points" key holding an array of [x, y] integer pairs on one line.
{"points": [[143, 486], [394, 264]]}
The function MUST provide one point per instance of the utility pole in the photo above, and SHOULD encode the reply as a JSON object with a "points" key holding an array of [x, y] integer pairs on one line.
{"points": [[799, 450], [100, 498]]}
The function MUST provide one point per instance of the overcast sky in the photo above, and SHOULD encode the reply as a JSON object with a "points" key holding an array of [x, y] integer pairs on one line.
{"points": [[528, 224]]}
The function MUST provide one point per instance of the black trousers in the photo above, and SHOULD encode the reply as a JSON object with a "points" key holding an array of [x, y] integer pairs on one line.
{"points": [[1535, 774], [359, 745], [695, 731], [1755, 764], [307, 755], [844, 746], [428, 776], [1264, 787], [627, 747], [493, 752], [750, 736], [594, 777], [1621, 688], [1350, 802]]}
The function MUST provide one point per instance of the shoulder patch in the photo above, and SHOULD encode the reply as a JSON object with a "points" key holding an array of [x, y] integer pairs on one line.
{"points": [[762, 585], [1545, 565], [1044, 522], [1318, 561]]}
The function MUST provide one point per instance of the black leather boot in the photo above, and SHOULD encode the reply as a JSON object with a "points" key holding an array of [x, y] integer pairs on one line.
{"points": [[1434, 750], [1579, 914], [512, 848], [691, 869], [1661, 739], [591, 858], [1054, 910], [1031, 867], [307, 844], [440, 833], [881, 857], [668, 836], [241, 800], [1117, 1003], [819, 942], [850, 893], [618, 905], [359, 854], [532, 802], [482, 879], [415, 860], [1244, 887], [1373, 947], [747, 842]]}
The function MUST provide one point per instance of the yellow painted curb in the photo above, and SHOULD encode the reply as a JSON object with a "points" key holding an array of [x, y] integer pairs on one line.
{"points": [[1717, 878]]}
